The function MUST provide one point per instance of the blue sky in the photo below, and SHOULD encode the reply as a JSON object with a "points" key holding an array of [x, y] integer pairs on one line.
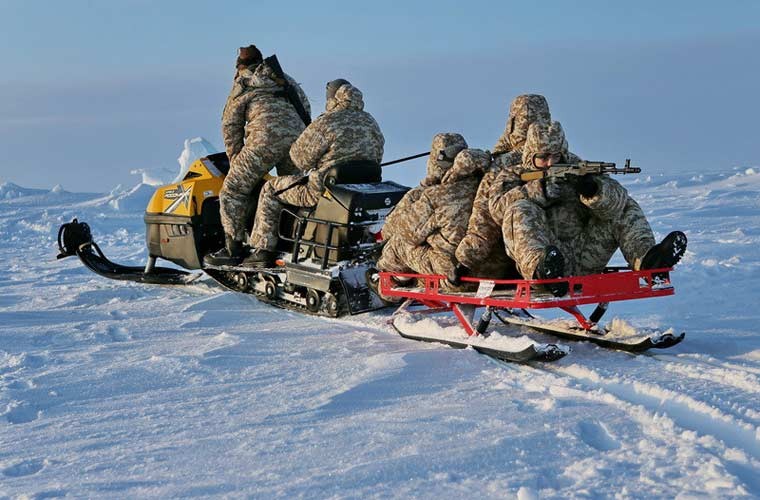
{"points": [[92, 90]]}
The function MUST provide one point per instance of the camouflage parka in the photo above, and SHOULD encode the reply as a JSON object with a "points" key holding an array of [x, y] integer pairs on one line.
{"points": [[483, 242], [550, 211], [439, 217], [443, 150], [344, 132], [256, 111]]}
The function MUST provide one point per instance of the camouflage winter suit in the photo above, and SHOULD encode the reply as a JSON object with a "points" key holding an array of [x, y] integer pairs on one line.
{"points": [[443, 150], [258, 126], [540, 213], [481, 249], [343, 133], [425, 240]]}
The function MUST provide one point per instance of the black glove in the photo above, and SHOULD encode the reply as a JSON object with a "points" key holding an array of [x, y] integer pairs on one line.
{"points": [[459, 271], [587, 186]]}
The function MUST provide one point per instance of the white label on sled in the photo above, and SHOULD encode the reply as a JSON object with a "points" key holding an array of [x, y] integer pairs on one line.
{"points": [[484, 289]]}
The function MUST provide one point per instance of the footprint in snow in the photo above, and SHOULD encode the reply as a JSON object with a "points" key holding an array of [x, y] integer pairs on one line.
{"points": [[20, 385], [596, 435], [22, 414], [118, 334], [26, 468]]}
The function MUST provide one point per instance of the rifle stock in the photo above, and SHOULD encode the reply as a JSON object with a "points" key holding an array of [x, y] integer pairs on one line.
{"points": [[290, 92]]}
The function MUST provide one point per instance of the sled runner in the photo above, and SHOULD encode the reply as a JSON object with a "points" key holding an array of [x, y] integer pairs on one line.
{"points": [[510, 300]]}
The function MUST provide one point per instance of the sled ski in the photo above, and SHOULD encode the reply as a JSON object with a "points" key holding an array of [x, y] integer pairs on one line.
{"points": [[532, 352], [600, 337], [515, 297], [75, 238]]}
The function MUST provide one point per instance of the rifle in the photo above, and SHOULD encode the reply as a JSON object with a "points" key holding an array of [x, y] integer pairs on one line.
{"points": [[562, 170], [290, 92]]}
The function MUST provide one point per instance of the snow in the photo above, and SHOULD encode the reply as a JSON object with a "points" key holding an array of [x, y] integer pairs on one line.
{"points": [[111, 389], [195, 148]]}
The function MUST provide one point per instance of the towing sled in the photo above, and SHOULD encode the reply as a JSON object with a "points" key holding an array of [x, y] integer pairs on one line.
{"points": [[510, 300], [325, 252]]}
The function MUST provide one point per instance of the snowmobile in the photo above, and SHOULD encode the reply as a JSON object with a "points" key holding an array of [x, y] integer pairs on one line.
{"points": [[326, 252]]}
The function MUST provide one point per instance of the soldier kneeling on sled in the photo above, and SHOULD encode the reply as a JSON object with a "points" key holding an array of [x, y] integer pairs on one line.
{"points": [[556, 227], [423, 237]]}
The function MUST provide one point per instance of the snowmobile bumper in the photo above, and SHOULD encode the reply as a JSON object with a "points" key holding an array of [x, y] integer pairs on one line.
{"points": [[75, 238]]}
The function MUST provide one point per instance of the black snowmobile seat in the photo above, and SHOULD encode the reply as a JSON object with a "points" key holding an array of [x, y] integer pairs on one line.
{"points": [[354, 172]]}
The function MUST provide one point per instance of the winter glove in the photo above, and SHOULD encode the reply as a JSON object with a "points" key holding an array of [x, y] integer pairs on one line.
{"points": [[552, 187], [587, 186]]}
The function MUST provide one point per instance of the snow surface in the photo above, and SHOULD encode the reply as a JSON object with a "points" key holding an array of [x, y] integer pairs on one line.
{"points": [[115, 389]]}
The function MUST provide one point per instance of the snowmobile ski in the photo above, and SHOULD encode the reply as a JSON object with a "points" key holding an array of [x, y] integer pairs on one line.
{"points": [[656, 340], [75, 238]]}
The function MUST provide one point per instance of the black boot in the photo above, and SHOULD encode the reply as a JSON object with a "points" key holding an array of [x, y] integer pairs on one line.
{"points": [[373, 283], [259, 258], [373, 280], [666, 253], [232, 254], [552, 266], [456, 275]]}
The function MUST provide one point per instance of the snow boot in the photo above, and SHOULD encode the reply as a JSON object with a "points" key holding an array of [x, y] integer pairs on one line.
{"points": [[666, 253], [455, 279], [259, 258], [231, 254], [552, 266], [373, 283]]}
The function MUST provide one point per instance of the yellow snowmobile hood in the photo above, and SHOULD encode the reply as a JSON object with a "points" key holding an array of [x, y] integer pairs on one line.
{"points": [[185, 199]]}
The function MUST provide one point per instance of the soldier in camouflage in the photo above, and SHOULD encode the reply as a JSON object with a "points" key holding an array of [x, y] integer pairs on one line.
{"points": [[481, 251], [259, 125], [555, 227], [426, 239], [443, 150], [524, 110], [248, 58], [398, 248], [342, 135]]}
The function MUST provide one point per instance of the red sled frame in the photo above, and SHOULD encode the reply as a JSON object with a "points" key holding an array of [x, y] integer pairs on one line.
{"points": [[615, 284]]}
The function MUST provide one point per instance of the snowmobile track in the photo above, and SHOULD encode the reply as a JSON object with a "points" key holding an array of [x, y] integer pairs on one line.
{"points": [[223, 278]]}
